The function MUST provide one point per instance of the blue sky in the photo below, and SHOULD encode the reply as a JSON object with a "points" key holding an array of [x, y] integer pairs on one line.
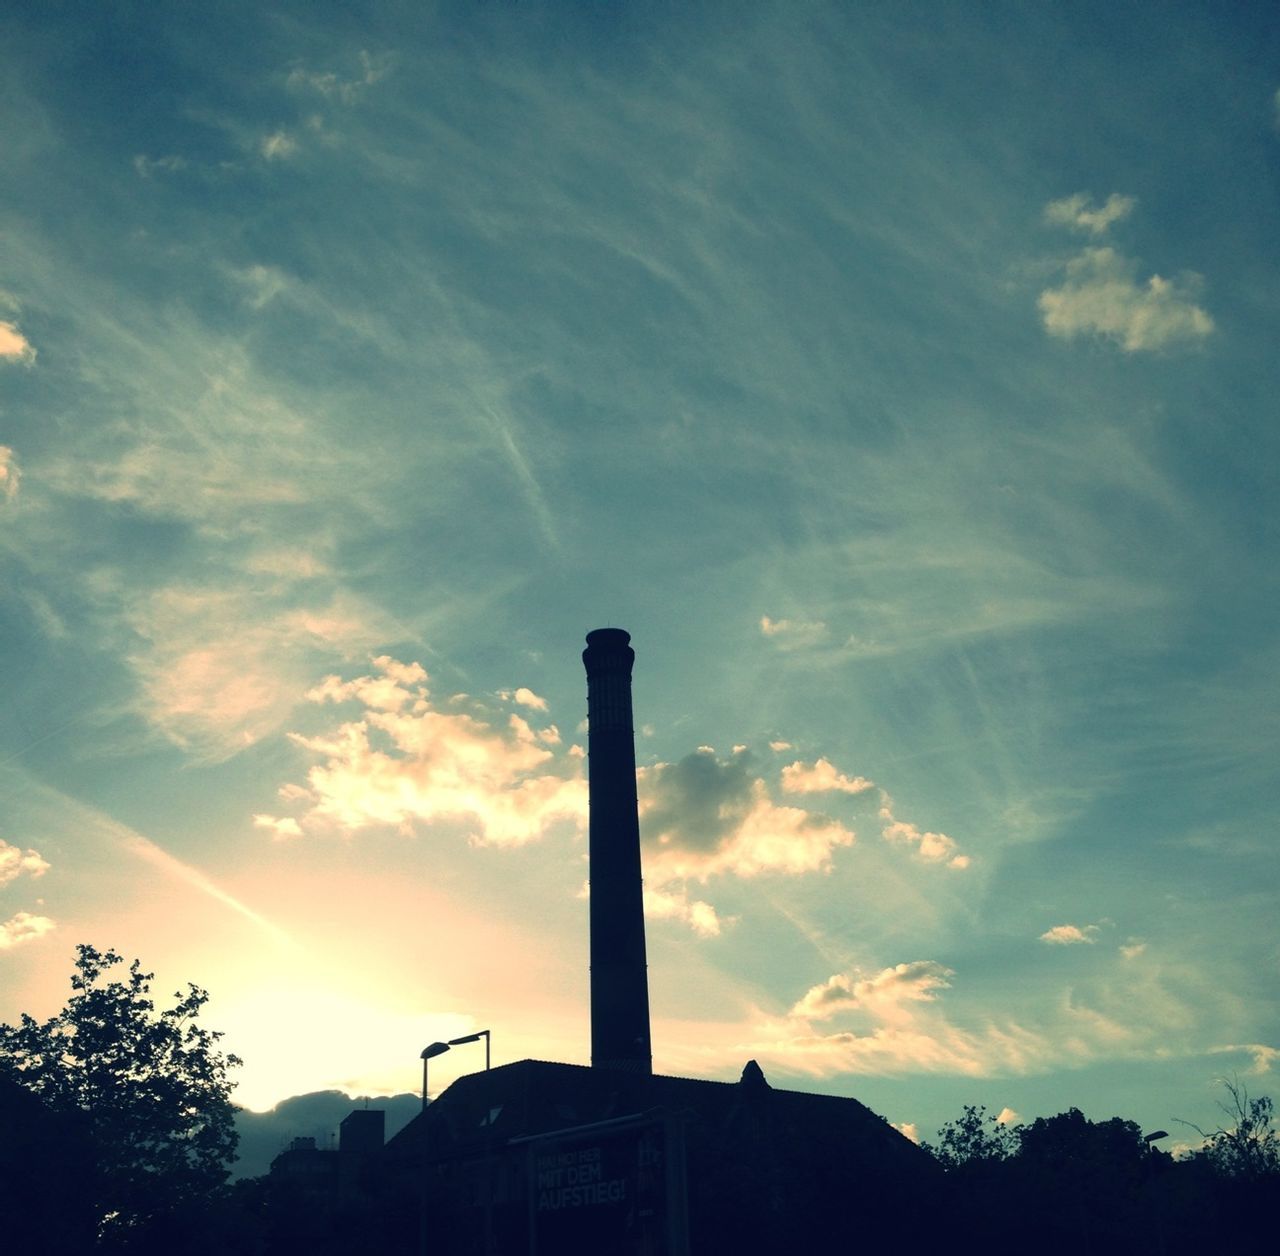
{"points": [[902, 377]]}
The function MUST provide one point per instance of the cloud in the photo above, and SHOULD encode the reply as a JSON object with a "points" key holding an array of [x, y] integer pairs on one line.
{"points": [[1006, 1116], [930, 847], [524, 697], [1079, 213], [1263, 1056], [403, 762], [278, 145], [700, 916], [1133, 948], [333, 86], [14, 346], [793, 634], [24, 927], [895, 1023], [908, 1130], [705, 816], [822, 777], [223, 667], [281, 827], [9, 474], [882, 994], [1068, 935], [1101, 297], [15, 862], [170, 163]]}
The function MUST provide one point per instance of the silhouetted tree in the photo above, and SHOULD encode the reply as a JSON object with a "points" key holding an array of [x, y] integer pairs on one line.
{"points": [[973, 1138], [151, 1087], [1248, 1147]]}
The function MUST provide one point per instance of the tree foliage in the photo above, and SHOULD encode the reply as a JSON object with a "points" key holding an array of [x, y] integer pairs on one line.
{"points": [[974, 1138], [152, 1088]]}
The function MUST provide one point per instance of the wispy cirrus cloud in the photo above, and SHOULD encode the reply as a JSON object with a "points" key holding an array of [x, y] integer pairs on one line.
{"points": [[10, 475], [793, 634], [895, 1024], [330, 84], [224, 666]]}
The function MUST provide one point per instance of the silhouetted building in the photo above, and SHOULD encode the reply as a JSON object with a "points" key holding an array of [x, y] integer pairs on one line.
{"points": [[558, 1159], [619, 973], [46, 1159], [561, 1159], [361, 1133]]}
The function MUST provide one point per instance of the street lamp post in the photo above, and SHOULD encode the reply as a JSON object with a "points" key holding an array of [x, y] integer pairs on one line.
{"points": [[429, 1053], [480, 1033]]}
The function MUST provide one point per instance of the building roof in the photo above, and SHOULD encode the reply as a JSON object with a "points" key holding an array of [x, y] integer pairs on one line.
{"points": [[533, 1097]]}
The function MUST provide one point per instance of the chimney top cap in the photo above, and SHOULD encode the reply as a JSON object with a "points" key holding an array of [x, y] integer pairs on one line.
{"points": [[609, 638]]}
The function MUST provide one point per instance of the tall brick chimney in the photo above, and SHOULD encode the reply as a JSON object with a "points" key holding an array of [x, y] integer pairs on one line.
{"points": [[619, 973]]}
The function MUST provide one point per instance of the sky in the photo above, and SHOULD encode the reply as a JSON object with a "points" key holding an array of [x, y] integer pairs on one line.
{"points": [[902, 377]]}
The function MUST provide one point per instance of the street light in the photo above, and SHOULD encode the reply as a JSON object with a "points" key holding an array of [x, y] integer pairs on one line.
{"points": [[429, 1053], [480, 1033]]}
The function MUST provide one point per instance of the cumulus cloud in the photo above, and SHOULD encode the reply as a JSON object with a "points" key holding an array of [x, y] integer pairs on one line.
{"points": [[1101, 296], [282, 827], [23, 927], [1133, 948], [929, 847], [15, 862], [523, 697], [14, 346], [402, 761], [882, 994], [675, 904], [705, 815], [9, 474], [1006, 1116], [793, 634], [820, 777], [908, 1130], [1068, 935], [1079, 213]]}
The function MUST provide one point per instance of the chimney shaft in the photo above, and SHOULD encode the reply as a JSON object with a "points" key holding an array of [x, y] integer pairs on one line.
{"points": [[619, 974]]}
